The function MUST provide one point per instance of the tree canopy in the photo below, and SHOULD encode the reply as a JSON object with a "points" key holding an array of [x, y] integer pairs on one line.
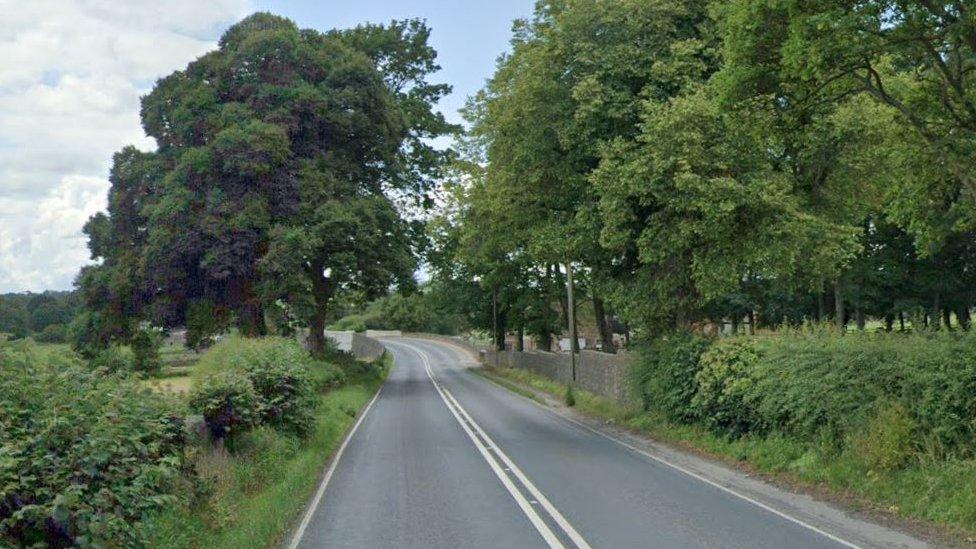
{"points": [[282, 158]]}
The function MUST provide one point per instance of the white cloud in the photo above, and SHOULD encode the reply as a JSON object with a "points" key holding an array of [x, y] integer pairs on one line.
{"points": [[71, 74]]}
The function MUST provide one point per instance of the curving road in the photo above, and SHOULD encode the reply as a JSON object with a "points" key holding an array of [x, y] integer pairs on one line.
{"points": [[445, 458]]}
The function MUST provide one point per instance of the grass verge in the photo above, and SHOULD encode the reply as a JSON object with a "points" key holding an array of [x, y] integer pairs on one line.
{"points": [[251, 497], [936, 496]]}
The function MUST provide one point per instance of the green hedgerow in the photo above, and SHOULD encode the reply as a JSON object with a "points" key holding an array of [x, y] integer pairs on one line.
{"points": [[663, 374], [725, 400]]}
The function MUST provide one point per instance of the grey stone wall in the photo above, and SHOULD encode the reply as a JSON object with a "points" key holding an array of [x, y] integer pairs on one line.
{"points": [[361, 346], [600, 373]]}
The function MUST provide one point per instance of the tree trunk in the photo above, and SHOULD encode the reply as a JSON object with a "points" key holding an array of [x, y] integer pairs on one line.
{"points": [[321, 294], [544, 341], [520, 339], [839, 307], [606, 335], [936, 313], [752, 322], [889, 321], [500, 332], [735, 324], [947, 318], [901, 321], [859, 317], [821, 305], [965, 320], [316, 332]]}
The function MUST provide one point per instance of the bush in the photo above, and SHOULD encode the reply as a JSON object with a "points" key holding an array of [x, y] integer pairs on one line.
{"points": [[145, 350], [816, 382], [886, 443], [52, 333], [83, 456], [228, 402], [279, 371], [663, 374], [353, 323], [113, 359], [725, 400]]}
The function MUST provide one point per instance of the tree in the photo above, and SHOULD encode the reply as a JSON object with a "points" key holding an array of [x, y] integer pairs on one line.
{"points": [[281, 156], [914, 57]]}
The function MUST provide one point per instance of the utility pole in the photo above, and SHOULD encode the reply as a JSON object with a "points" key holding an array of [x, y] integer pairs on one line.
{"points": [[571, 309], [494, 320]]}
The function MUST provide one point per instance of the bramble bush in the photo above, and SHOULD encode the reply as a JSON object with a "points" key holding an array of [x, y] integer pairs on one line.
{"points": [[84, 456], [663, 374], [277, 371], [228, 403]]}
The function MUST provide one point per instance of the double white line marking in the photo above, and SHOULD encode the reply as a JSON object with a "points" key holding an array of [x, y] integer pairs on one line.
{"points": [[492, 454]]}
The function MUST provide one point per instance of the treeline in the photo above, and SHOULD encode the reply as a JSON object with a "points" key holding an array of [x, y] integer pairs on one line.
{"points": [[721, 162], [286, 159], [43, 316]]}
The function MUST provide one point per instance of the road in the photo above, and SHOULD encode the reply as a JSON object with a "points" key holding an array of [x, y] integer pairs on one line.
{"points": [[445, 458]]}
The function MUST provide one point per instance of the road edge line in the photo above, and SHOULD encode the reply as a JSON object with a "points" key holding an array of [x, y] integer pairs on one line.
{"points": [[688, 472], [320, 492]]}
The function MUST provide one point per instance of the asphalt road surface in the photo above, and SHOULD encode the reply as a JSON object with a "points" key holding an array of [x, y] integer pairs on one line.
{"points": [[445, 458]]}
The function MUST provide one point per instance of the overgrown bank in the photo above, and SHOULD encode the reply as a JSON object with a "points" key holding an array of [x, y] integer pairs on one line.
{"points": [[96, 458], [886, 419]]}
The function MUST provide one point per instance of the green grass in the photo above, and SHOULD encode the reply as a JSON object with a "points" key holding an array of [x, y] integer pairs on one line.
{"points": [[940, 492], [253, 495]]}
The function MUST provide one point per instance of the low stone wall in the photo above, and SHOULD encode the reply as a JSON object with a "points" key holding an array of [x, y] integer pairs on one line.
{"points": [[361, 346], [450, 340], [600, 373], [366, 348]]}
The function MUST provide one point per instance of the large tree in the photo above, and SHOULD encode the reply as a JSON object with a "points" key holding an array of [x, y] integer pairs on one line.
{"points": [[281, 157]]}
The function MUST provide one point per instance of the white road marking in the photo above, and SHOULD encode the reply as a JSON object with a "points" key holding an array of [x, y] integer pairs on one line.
{"points": [[465, 419], [297, 538], [688, 472], [536, 493]]}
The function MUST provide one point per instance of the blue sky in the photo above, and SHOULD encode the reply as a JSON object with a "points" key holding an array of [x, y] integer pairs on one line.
{"points": [[468, 35]]}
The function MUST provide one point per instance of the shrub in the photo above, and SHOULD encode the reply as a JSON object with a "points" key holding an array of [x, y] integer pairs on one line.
{"points": [[326, 374], [228, 402], [663, 374], [145, 349], [52, 333], [354, 323], [725, 399], [886, 443], [112, 359], [812, 382], [203, 322], [280, 372], [83, 456]]}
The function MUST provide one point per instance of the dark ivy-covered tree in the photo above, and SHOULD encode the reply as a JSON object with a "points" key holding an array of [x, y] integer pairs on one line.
{"points": [[280, 159]]}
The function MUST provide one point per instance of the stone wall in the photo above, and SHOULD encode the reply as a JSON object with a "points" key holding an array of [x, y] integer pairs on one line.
{"points": [[604, 374], [600, 373], [361, 346]]}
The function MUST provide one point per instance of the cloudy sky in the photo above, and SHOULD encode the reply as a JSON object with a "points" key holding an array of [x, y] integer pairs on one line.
{"points": [[72, 72]]}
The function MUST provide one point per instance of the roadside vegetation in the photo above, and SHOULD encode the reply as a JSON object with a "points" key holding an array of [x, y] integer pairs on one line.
{"points": [[879, 420], [94, 457]]}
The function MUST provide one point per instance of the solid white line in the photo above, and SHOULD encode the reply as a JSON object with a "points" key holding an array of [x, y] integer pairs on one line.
{"points": [[297, 538], [547, 534], [539, 496], [690, 473]]}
